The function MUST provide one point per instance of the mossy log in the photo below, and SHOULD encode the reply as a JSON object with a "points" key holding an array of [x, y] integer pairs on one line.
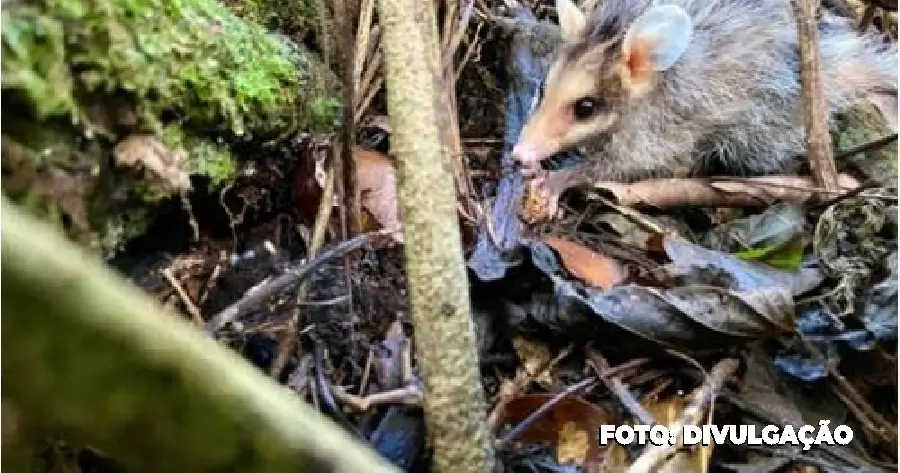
{"points": [[192, 59], [89, 356], [79, 76]]}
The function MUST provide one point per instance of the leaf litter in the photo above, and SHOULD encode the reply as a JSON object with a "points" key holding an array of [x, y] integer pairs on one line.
{"points": [[784, 315]]}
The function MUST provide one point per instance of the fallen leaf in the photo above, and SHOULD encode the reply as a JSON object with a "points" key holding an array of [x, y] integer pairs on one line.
{"points": [[788, 256], [775, 237], [586, 264], [378, 185], [776, 226], [570, 426], [150, 153], [695, 263], [377, 181], [702, 316]]}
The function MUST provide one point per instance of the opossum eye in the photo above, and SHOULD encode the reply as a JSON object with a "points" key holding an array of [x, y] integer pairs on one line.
{"points": [[586, 108]]}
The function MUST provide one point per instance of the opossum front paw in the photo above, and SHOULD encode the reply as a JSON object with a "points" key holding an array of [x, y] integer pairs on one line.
{"points": [[543, 192]]}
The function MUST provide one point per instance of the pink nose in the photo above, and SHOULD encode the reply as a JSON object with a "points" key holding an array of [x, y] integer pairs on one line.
{"points": [[525, 153]]}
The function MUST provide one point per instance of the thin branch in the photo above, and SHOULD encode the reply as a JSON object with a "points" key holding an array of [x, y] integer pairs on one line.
{"points": [[617, 387], [818, 138], [545, 408], [258, 295], [323, 216], [185, 298], [79, 338], [722, 192]]}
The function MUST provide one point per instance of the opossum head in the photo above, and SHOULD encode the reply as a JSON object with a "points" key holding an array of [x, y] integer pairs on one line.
{"points": [[593, 83]]}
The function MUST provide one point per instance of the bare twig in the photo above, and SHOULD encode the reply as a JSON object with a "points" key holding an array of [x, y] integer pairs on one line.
{"points": [[653, 456], [545, 408], [722, 192], [818, 138], [323, 387], [345, 14], [214, 277], [258, 295], [185, 298], [436, 272], [616, 386], [323, 216]]}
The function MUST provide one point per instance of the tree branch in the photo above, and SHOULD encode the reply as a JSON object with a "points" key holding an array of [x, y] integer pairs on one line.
{"points": [[90, 355], [436, 275], [821, 159]]}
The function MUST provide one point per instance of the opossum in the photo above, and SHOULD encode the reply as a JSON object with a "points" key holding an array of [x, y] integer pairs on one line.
{"points": [[670, 88]]}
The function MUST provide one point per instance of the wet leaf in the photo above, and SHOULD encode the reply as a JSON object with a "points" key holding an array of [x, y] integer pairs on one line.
{"points": [[818, 325], [788, 256], [783, 399], [776, 227], [725, 311], [498, 238], [695, 317], [571, 426], [802, 368], [850, 242], [586, 264], [694, 263]]}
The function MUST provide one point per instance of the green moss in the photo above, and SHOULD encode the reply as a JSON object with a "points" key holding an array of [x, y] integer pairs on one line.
{"points": [[294, 18], [81, 75], [203, 156], [192, 58]]}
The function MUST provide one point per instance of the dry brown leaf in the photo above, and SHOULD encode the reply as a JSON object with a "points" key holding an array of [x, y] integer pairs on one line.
{"points": [[533, 355], [586, 264], [378, 185], [571, 426], [151, 154], [377, 180]]}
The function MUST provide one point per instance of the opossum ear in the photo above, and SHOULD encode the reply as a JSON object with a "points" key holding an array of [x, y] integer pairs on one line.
{"points": [[572, 21], [655, 42]]}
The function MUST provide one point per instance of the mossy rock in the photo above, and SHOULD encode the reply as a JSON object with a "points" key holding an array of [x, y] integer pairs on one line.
{"points": [[191, 59], [79, 76]]}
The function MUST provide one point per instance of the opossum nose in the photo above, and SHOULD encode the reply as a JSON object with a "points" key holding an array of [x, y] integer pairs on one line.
{"points": [[525, 153]]}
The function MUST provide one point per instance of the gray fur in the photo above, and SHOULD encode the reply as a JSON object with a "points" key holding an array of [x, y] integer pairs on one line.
{"points": [[734, 96]]}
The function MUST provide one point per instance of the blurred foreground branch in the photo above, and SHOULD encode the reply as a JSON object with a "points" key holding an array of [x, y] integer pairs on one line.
{"points": [[89, 355]]}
